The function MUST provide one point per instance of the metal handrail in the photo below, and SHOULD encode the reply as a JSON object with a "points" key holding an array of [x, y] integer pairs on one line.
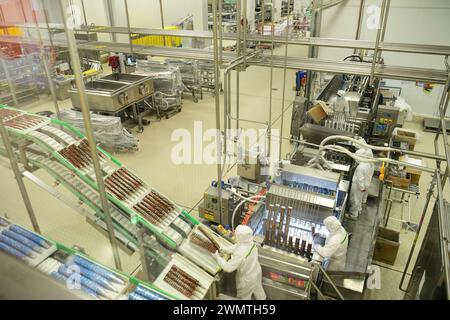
{"points": [[321, 269]]}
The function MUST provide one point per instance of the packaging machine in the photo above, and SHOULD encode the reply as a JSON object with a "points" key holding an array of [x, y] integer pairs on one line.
{"points": [[142, 216]]}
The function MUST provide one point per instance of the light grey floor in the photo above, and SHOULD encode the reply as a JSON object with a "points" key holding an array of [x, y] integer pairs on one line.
{"points": [[184, 184]]}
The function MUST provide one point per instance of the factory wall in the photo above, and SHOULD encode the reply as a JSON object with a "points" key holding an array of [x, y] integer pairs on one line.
{"points": [[410, 21]]}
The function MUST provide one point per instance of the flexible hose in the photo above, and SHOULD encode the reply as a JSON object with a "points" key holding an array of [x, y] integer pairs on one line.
{"points": [[240, 205]]}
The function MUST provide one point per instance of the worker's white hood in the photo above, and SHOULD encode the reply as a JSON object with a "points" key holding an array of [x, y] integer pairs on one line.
{"points": [[244, 234], [332, 224]]}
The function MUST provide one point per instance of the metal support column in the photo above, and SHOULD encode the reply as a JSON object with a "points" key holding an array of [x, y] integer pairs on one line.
{"points": [[130, 38], [43, 54], [90, 135], [111, 18], [143, 256], [221, 33], [283, 104], [238, 46], [217, 98], [161, 12], [360, 22], [18, 176], [272, 50], [380, 34]]}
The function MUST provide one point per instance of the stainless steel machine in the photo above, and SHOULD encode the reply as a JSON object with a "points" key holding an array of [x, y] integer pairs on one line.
{"points": [[114, 93], [212, 211], [385, 122], [296, 204]]}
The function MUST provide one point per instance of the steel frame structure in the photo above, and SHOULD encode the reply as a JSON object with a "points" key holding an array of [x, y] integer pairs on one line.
{"points": [[242, 59]]}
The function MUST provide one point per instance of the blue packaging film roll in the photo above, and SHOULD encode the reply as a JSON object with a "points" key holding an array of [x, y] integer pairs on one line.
{"points": [[22, 240], [31, 236], [136, 297], [11, 251], [97, 269], [18, 246], [61, 277], [140, 290], [91, 275], [85, 282]]}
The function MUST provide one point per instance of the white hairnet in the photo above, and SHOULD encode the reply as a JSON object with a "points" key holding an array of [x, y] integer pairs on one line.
{"points": [[341, 93], [332, 224], [244, 234]]}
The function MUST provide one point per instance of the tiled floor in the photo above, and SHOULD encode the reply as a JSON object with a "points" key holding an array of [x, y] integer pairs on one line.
{"points": [[182, 183]]}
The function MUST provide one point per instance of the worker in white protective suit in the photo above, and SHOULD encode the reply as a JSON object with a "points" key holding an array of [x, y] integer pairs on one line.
{"points": [[359, 185], [368, 153], [340, 103], [334, 252], [244, 259]]}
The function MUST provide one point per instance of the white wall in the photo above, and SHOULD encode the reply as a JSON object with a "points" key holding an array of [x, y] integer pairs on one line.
{"points": [[143, 13], [410, 21]]}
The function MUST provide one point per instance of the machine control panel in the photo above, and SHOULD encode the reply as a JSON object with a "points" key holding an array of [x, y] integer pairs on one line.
{"points": [[385, 121]]}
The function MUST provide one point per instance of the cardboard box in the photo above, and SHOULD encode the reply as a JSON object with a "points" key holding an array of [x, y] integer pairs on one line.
{"points": [[319, 112], [408, 136], [387, 246], [413, 173], [400, 182]]}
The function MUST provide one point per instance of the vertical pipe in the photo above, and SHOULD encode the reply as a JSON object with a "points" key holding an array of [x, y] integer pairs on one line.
{"points": [[143, 257], [50, 38], [377, 42], [245, 27], [238, 46], [111, 18], [385, 20], [51, 85], [359, 24], [272, 49], [284, 80], [229, 99], [84, 13], [18, 176], [220, 33], [217, 98], [130, 38], [161, 12], [90, 135]]}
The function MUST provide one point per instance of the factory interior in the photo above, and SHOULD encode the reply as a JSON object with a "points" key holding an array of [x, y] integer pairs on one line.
{"points": [[224, 150]]}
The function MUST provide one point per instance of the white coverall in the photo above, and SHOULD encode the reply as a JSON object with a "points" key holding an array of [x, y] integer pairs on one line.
{"points": [[335, 250], [340, 103], [244, 259], [359, 185], [368, 154]]}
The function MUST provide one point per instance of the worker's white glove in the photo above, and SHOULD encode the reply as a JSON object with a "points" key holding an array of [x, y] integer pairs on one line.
{"points": [[217, 255], [227, 250]]}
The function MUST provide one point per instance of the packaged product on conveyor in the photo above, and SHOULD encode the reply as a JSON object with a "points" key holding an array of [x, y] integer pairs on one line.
{"points": [[91, 277], [23, 244], [141, 293]]}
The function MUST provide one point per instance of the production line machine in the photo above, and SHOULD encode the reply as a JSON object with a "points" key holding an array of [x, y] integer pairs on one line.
{"points": [[143, 218], [296, 203]]}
